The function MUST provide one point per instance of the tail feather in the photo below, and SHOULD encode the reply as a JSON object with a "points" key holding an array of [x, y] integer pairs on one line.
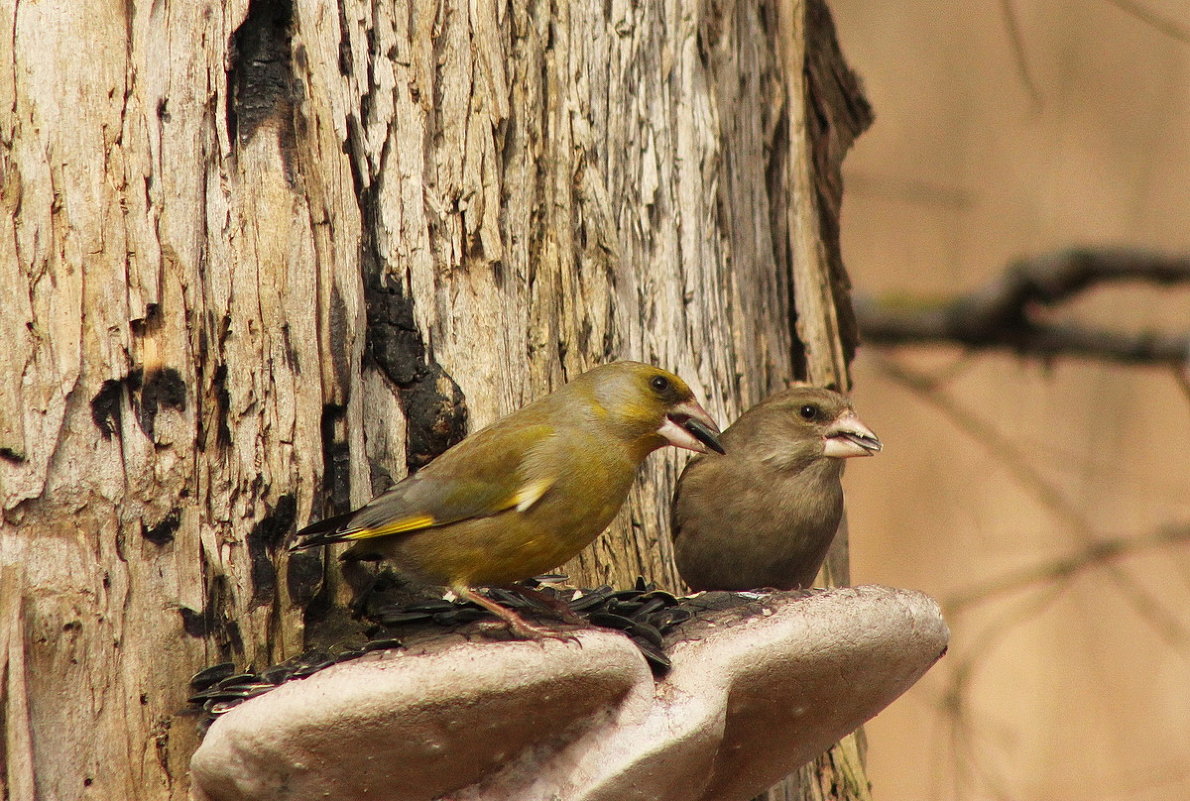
{"points": [[324, 532]]}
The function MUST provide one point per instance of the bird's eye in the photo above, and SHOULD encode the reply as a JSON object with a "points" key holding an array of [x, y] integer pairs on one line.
{"points": [[659, 383], [808, 412]]}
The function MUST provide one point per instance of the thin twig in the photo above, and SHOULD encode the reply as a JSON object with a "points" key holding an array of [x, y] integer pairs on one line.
{"points": [[1148, 607], [1182, 376], [1017, 39], [962, 677], [1065, 567], [1150, 17]]}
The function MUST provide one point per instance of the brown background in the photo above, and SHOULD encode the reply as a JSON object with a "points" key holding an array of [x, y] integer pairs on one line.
{"points": [[1084, 692]]}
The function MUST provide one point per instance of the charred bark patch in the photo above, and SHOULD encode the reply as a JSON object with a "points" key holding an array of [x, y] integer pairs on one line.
{"points": [[436, 412], [327, 622], [263, 541], [434, 406], [346, 61], [394, 342], [193, 623], [260, 81], [222, 408], [105, 407], [292, 359], [214, 401], [336, 459], [215, 620], [163, 532], [318, 607], [147, 393], [161, 388], [339, 331], [303, 577]]}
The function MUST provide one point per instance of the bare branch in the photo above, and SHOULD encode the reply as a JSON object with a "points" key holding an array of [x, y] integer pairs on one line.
{"points": [[1005, 313], [1183, 379], [1149, 17], [968, 735], [1064, 567], [1017, 39]]}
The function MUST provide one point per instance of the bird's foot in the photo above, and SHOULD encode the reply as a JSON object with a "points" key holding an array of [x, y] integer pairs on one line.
{"points": [[531, 631], [517, 625], [547, 598]]}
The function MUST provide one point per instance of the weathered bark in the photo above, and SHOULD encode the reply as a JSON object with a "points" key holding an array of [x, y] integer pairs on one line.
{"points": [[259, 258]]}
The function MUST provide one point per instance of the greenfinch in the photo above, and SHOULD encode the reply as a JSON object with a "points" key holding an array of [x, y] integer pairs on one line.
{"points": [[529, 491], [764, 514]]}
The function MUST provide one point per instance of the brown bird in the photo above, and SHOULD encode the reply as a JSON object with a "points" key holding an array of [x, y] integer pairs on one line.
{"points": [[528, 492], [764, 514]]}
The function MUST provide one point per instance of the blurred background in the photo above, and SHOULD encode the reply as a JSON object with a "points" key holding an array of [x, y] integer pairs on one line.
{"points": [[1008, 129]]}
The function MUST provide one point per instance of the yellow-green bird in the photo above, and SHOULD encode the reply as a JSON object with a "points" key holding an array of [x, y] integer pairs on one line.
{"points": [[531, 490]]}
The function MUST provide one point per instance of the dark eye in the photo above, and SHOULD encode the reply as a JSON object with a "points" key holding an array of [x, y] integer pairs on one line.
{"points": [[659, 383], [808, 412]]}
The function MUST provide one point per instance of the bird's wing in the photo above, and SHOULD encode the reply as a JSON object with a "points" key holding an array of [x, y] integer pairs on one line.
{"points": [[431, 502], [484, 479]]}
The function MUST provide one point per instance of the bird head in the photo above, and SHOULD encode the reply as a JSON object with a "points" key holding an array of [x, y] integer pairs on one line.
{"points": [[650, 407], [801, 425]]}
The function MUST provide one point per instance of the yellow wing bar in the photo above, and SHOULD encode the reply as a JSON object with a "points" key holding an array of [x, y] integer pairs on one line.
{"points": [[395, 527]]}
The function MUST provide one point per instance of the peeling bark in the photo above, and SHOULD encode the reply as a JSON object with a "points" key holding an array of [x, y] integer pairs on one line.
{"points": [[261, 258]]}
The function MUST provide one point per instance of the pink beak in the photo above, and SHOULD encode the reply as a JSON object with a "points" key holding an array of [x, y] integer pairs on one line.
{"points": [[848, 437], [689, 426]]}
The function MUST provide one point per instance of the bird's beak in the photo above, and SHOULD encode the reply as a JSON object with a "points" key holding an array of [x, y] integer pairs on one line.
{"points": [[848, 437], [689, 426]]}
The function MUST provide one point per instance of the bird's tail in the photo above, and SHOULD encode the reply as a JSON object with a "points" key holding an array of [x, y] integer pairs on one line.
{"points": [[324, 532]]}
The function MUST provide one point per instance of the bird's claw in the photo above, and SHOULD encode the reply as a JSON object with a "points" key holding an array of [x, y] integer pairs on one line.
{"points": [[524, 630]]}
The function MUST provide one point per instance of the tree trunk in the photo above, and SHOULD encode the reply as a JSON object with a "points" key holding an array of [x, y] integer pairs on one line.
{"points": [[260, 258]]}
